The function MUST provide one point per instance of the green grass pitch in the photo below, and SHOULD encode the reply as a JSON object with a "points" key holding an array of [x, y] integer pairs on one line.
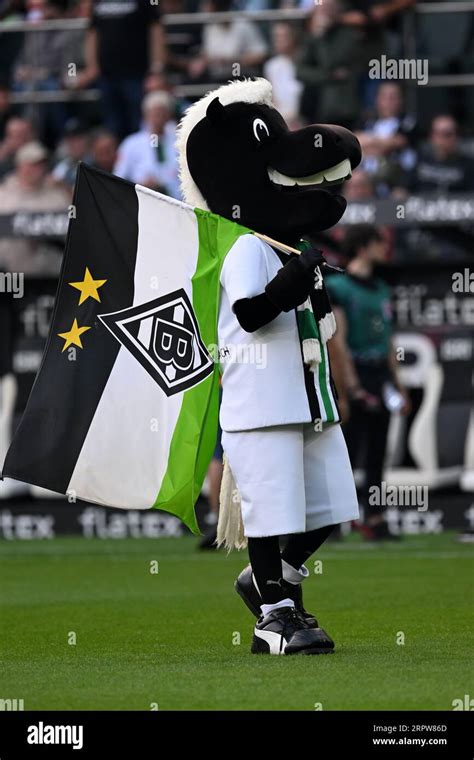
{"points": [[171, 639]]}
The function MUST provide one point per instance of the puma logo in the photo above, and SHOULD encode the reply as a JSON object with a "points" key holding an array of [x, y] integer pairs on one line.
{"points": [[274, 583]]}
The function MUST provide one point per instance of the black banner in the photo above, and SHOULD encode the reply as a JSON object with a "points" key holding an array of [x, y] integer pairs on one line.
{"points": [[34, 224], [414, 210], [405, 212], [424, 734]]}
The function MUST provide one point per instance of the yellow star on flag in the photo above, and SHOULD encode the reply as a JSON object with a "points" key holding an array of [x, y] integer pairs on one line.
{"points": [[88, 287], [73, 337]]}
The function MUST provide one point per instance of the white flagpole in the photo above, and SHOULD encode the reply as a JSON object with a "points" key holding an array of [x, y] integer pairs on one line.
{"points": [[282, 246]]}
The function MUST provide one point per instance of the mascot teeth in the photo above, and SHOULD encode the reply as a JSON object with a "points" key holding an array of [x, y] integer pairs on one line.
{"points": [[333, 175]]}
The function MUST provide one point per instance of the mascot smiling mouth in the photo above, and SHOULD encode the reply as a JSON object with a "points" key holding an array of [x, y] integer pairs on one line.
{"points": [[334, 175], [239, 159]]}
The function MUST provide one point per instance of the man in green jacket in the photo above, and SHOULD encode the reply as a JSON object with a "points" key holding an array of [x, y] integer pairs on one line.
{"points": [[362, 308]]}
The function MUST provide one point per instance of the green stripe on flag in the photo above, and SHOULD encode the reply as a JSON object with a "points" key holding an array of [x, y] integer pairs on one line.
{"points": [[195, 434]]}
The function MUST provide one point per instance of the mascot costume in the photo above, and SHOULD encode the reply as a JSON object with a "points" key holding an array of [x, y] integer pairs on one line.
{"points": [[287, 471]]}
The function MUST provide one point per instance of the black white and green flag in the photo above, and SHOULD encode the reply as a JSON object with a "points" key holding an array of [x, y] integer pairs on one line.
{"points": [[124, 409]]}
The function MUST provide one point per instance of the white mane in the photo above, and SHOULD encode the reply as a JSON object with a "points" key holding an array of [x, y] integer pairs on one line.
{"points": [[247, 91]]}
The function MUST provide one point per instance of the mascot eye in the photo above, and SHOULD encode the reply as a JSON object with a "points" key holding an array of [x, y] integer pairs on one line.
{"points": [[260, 129]]}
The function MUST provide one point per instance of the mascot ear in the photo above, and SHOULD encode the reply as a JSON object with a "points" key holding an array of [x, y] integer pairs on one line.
{"points": [[215, 111]]}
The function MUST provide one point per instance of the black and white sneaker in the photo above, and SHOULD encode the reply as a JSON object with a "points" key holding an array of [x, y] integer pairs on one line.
{"points": [[247, 589], [283, 631]]}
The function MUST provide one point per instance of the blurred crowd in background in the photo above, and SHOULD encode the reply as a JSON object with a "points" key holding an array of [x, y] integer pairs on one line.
{"points": [[142, 73]]}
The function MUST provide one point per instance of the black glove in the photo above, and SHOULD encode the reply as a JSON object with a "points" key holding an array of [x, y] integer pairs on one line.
{"points": [[294, 282], [254, 313]]}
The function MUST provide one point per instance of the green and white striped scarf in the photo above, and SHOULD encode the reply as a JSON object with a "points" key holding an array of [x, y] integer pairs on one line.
{"points": [[316, 321]]}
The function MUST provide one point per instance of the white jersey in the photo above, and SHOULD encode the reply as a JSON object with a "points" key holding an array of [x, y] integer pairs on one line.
{"points": [[264, 379]]}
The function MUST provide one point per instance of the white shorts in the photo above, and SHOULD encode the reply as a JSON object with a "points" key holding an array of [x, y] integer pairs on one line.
{"points": [[291, 478]]}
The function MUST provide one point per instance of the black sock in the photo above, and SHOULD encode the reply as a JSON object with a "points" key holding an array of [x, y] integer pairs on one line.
{"points": [[264, 555], [301, 546]]}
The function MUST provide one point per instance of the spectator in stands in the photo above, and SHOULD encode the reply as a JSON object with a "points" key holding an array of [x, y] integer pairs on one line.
{"points": [[441, 167], [75, 148], [148, 157], [385, 141], [328, 67], [34, 10], [125, 42], [359, 187], [104, 146], [10, 42], [73, 63], [156, 83], [18, 132], [161, 83], [38, 67], [374, 18], [229, 49], [27, 189], [280, 70], [6, 108], [183, 42]]}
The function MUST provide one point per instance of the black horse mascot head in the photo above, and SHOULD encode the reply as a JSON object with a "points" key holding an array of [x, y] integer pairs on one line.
{"points": [[239, 159]]}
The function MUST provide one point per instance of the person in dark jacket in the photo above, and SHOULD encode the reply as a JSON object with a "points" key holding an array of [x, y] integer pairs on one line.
{"points": [[328, 67], [441, 167]]}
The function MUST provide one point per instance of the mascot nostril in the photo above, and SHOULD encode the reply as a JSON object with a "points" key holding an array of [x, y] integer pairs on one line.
{"points": [[239, 159], [287, 470]]}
